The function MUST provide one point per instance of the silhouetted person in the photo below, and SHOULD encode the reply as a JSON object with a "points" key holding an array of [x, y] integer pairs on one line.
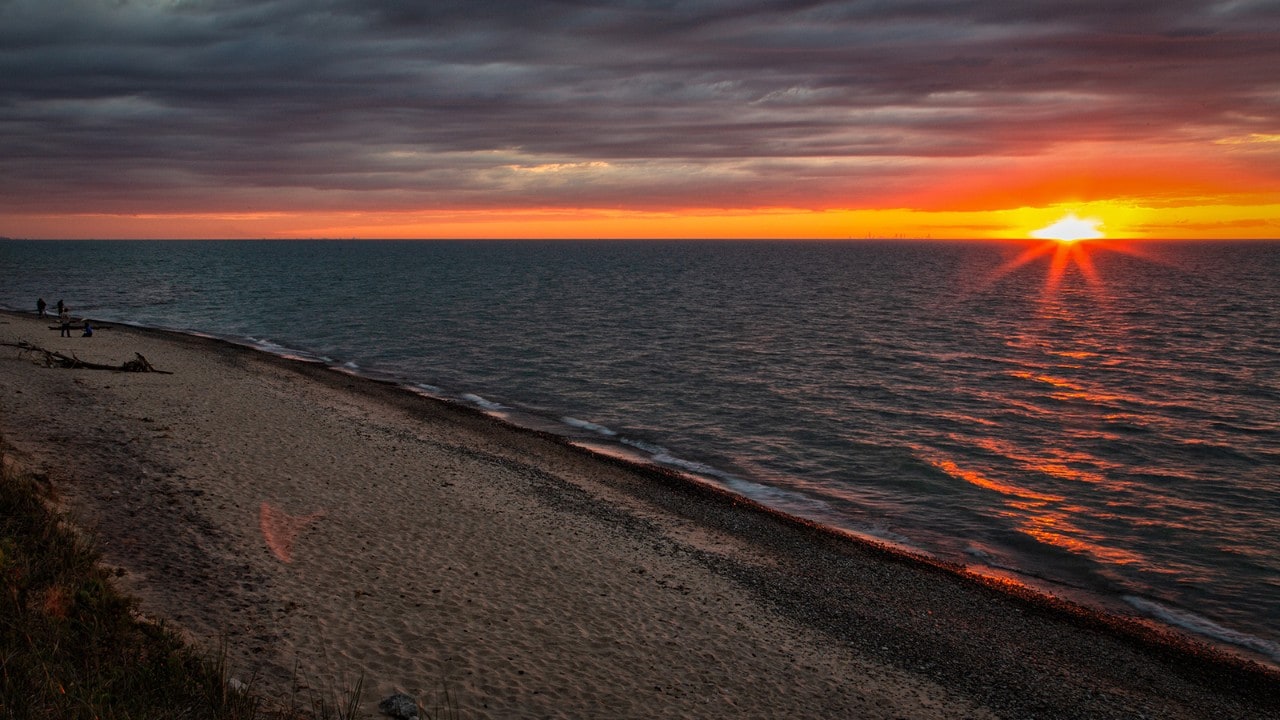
{"points": [[61, 307], [40, 306], [88, 329], [64, 318]]}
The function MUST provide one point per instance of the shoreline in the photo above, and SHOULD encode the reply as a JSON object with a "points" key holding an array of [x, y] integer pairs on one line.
{"points": [[1143, 630], [1111, 610], [925, 638]]}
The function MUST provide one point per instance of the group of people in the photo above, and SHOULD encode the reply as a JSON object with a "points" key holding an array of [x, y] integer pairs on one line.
{"points": [[64, 318]]}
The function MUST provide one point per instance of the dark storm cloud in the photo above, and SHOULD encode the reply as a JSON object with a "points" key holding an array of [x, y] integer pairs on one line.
{"points": [[141, 105]]}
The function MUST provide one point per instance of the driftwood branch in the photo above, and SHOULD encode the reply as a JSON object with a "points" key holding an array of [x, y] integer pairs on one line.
{"points": [[57, 359]]}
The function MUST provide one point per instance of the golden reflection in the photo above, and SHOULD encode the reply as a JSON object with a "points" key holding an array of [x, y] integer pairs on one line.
{"points": [[978, 480], [1044, 516], [1070, 390], [1062, 471], [1097, 398], [1041, 515], [1046, 379], [1052, 461], [1063, 356], [1057, 531]]}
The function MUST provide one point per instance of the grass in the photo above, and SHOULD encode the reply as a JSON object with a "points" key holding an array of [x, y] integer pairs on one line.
{"points": [[71, 646]]}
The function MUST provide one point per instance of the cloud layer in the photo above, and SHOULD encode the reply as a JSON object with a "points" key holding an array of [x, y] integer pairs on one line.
{"points": [[146, 106]]}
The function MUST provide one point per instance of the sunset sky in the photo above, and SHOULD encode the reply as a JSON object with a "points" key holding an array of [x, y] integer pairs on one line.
{"points": [[635, 118]]}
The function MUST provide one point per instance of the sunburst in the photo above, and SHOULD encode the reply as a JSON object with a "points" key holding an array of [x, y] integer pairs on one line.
{"points": [[1069, 243], [1070, 229]]}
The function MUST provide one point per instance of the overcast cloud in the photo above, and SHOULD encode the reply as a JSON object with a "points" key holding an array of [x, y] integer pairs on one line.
{"points": [[231, 105]]}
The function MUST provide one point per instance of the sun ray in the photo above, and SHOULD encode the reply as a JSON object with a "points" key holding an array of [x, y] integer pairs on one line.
{"points": [[1057, 265], [1080, 256], [1023, 258]]}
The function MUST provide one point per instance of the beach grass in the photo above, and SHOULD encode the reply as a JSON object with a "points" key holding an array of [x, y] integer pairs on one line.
{"points": [[72, 646]]}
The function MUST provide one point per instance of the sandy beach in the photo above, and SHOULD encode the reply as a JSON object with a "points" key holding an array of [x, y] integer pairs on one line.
{"points": [[329, 527]]}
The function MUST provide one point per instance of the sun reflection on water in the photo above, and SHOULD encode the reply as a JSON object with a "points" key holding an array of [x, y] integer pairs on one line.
{"points": [[1063, 361]]}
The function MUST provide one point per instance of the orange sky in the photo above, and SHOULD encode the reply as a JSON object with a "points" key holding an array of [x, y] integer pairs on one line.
{"points": [[1217, 191], [1115, 219]]}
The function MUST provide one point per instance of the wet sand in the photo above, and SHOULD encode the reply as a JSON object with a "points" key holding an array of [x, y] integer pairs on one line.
{"points": [[329, 527]]}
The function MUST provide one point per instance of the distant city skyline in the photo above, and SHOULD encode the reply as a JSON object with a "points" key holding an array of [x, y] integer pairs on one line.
{"points": [[629, 119]]}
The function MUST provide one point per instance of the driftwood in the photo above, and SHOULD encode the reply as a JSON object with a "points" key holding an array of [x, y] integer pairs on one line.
{"points": [[57, 359], [79, 325]]}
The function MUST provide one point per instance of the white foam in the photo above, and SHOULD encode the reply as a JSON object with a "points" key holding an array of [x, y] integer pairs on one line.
{"points": [[982, 555], [279, 350], [770, 495], [650, 448], [481, 402], [585, 425], [696, 468], [264, 344], [876, 532], [788, 500], [1204, 626]]}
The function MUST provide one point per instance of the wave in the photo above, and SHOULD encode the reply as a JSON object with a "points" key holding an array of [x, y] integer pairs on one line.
{"points": [[1203, 626], [483, 403], [585, 425]]}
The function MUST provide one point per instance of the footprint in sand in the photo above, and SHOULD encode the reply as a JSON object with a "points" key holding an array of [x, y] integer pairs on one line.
{"points": [[280, 529]]}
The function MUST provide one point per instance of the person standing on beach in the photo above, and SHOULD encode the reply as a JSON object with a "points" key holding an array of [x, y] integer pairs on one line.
{"points": [[61, 307], [40, 306], [64, 317]]}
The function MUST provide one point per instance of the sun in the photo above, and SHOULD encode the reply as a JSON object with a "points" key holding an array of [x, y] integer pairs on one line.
{"points": [[1069, 229]]}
